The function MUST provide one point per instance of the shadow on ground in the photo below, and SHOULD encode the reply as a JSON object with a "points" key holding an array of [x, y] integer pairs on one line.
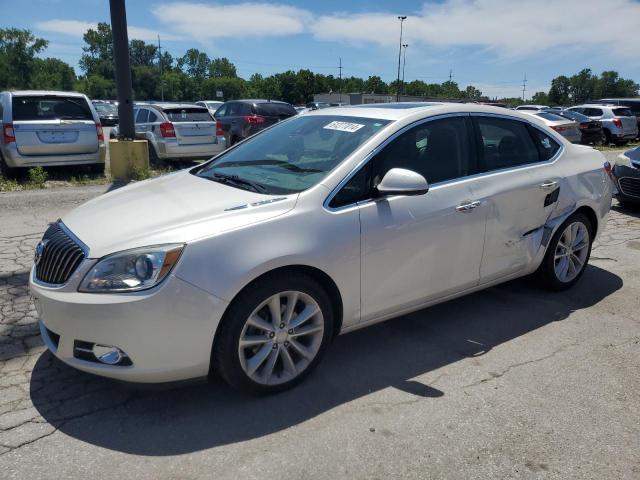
{"points": [[391, 354]]}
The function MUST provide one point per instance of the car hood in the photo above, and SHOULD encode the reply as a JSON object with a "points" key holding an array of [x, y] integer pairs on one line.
{"points": [[175, 208]]}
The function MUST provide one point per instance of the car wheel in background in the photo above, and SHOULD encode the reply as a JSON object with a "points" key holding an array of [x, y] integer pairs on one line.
{"points": [[607, 137], [154, 160], [567, 254], [273, 333], [5, 170], [97, 168]]}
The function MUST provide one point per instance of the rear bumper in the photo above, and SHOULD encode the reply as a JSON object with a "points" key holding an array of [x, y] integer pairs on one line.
{"points": [[627, 181], [15, 160], [171, 149]]}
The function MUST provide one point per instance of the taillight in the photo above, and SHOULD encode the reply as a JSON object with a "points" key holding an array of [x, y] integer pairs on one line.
{"points": [[617, 122], [219, 129], [558, 128], [100, 132], [8, 134], [609, 170], [254, 119], [167, 130], [583, 126]]}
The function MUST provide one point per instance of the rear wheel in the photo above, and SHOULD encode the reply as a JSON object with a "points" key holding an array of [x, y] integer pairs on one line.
{"points": [[154, 160], [5, 170], [607, 137], [567, 254], [97, 168], [273, 334]]}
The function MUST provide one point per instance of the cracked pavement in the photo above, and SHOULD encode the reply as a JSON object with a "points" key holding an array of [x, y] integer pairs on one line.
{"points": [[511, 382]]}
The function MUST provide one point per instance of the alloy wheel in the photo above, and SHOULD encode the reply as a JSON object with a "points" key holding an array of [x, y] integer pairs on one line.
{"points": [[571, 252], [281, 338]]}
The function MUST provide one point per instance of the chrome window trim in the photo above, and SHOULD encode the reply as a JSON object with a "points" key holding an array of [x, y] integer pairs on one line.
{"points": [[437, 185]]}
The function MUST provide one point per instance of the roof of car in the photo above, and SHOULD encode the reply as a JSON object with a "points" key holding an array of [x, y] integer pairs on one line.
{"points": [[45, 92], [258, 100], [397, 111], [170, 105]]}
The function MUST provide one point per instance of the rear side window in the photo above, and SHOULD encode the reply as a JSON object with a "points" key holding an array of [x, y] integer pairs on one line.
{"points": [[592, 112], [142, 116], [50, 107], [550, 116], [152, 117], [547, 146], [275, 110], [622, 112], [188, 114], [505, 143]]}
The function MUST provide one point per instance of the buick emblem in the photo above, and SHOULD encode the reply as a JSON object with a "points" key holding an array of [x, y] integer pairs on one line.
{"points": [[39, 251]]}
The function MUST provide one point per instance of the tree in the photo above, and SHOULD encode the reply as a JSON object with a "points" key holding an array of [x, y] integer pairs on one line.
{"points": [[18, 49], [96, 86], [97, 58], [52, 74], [375, 84], [222, 67], [472, 93], [540, 98], [560, 91], [195, 64], [142, 53]]}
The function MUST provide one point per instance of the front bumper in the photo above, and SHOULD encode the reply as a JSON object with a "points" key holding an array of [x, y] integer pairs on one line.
{"points": [[166, 332], [627, 181]]}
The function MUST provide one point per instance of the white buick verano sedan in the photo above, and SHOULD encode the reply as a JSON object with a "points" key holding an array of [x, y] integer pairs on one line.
{"points": [[248, 265]]}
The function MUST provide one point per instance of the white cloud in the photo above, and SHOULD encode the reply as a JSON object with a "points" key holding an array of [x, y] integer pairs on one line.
{"points": [[77, 28], [212, 21], [511, 29]]}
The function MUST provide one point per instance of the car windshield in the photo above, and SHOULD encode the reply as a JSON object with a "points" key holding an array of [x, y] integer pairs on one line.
{"points": [[578, 117], [292, 156], [551, 117], [106, 108], [193, 114]]}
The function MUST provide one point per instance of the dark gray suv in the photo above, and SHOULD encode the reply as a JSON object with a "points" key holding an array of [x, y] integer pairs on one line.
{"points": [[242, 118]]}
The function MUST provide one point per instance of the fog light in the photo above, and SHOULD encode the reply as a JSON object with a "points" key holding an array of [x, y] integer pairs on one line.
{"points": [[108, 355]]}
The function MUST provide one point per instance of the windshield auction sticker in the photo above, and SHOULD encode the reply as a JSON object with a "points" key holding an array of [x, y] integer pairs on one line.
{"points": [[344, 126]]}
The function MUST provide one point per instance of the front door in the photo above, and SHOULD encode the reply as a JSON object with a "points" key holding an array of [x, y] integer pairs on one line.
{"points": [[418, 248]]}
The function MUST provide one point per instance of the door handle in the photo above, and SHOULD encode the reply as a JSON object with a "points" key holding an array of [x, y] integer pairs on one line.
{"points": [[549, 184], [468, 206]]}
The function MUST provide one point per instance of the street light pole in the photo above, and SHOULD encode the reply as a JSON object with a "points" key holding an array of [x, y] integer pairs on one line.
{"points": [[402, 19], [122, 68], [404, 63]]}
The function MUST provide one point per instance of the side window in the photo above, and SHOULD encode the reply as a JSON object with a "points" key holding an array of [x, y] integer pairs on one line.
{"points": [[547, 146], [593, 112], [221, 112], [234, 109], [438, 150], [505, 143], [246, 109], [142, 116], [356, 189], [152, 117]]}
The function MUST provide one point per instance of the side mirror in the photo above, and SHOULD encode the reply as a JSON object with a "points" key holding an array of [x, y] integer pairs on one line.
{"points": [[400, 181]]}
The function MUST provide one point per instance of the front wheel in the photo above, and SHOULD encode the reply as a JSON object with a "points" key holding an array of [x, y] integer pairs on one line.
{"points": [[567, 254], [273, 334]]}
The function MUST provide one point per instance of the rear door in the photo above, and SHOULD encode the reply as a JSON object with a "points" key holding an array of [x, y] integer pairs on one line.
{"points": [[520, 188], [193, 125], [53, 125], [628, 119]]}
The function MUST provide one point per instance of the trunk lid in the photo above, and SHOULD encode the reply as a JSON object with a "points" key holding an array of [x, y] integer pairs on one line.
{"points": [[193, 125]]}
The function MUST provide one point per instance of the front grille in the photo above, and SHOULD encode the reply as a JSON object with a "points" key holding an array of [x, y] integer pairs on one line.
{"points": [[630, 186], [59, 256]]}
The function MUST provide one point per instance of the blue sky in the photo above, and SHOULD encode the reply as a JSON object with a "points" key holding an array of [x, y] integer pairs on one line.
{"points": [[488, 43]]}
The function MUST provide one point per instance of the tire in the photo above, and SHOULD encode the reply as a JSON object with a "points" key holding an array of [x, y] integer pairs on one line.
{"points": [[607, 137], [5, 170], [154, 161], [249, 318], [550, 271]]}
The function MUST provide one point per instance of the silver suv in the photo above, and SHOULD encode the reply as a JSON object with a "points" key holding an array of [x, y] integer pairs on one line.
{"points": [[48, 128], [177, 131], [619, 124]]}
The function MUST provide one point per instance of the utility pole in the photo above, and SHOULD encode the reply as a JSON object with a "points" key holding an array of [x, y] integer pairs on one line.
{"points": [[450, 86], [524, 86], [450, 75], [404, 63], [122, 68], [160, 64], [340, 69], [402, 19]]}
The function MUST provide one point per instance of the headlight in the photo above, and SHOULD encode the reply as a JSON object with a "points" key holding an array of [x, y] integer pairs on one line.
{"points": [[623, 160], [131, 270]]}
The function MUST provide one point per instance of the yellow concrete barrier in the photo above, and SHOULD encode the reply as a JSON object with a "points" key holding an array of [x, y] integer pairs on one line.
{"points": [[127, 156]]}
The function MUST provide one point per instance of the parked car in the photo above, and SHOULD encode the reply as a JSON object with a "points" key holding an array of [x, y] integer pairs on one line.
{"points": [[250, 264], [590, 130], [242, 118], [318, 105], [626, 175], [301, 109], [618, 123], [531, 108], [177, 131], [211, 105], [564, 126], [49, 128], [632, 103], [107, 112]]}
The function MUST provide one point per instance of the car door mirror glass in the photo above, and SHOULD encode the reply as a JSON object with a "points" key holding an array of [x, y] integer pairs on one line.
{"points": [[400, 181]]}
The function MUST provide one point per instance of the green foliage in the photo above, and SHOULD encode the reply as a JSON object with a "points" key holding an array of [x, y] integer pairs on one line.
{"points": [[222, 68], [38, 176], [18, 63], [585, 86], [540, 98], [8, 184], [137, 174]]}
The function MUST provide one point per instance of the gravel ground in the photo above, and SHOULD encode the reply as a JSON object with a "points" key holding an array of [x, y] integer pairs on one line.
{"points": [[511, 382]]}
